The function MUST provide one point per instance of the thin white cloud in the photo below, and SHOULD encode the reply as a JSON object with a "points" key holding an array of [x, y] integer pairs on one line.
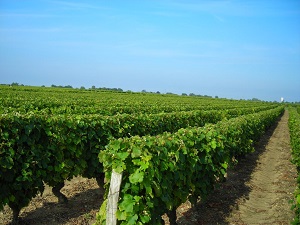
{"points": [[218, 18], [167, 14], [75, 44], [220, 8], [48, 30], [202, 6], [77, 5], [26, 15], [165, 53]]}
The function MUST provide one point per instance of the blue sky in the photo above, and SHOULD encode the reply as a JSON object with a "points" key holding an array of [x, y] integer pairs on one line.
{"points": [[234, 49]]}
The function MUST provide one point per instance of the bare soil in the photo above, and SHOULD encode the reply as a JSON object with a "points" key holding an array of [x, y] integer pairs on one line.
{"points": [[84, 200], [257, 191]]}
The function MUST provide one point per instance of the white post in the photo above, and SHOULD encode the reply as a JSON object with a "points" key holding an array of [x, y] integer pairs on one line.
{"points": [[113, 197]]}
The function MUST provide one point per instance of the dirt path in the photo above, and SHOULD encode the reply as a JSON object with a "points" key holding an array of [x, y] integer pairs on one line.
{"points": [[257, 191], [272, 183]]}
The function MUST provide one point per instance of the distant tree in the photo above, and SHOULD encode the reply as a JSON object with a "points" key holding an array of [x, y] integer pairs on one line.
{"points": [[157, 92], [53, 85], [144, 91], [82, 88], [118, 90], [184, 94], [14, 84], [191, 94], [216, 96], [68, 86], [170, 93], [93, 87]]}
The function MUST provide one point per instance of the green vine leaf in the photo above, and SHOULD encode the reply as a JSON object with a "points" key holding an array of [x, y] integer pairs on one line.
{"points": [[136, 177]]}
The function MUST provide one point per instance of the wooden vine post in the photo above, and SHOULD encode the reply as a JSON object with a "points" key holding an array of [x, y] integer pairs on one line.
{"points": [[113, 197]]}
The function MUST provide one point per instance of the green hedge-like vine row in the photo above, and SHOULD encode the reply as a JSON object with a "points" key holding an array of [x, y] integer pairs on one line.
{"points": [[53, 101], [294, 126], [161, 172], [37, 148]]}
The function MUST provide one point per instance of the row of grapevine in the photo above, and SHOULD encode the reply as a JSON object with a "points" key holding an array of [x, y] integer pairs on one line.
{"points": [[294, 126], [160, 172], [35, 145], [56, 101]]}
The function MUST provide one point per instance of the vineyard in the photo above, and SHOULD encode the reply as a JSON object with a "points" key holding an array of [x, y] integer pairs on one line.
{"points": [[169, 148]]}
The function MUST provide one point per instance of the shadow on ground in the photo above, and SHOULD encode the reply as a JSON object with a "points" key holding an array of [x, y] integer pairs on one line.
{"points": [[80, 209]]}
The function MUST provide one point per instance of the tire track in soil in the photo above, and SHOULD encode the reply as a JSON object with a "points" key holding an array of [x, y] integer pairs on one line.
{"points": [[257, 190]]}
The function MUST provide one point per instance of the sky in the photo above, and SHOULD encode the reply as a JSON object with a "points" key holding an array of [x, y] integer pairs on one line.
{"points": [[239, 49]]}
